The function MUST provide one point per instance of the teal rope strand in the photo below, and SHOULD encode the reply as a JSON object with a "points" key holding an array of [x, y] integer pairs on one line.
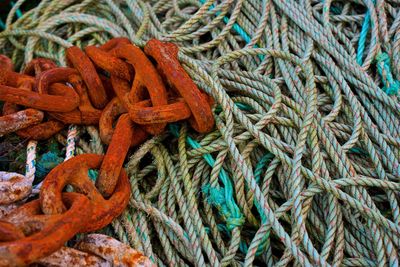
{"points": [[391, 86], [363, 37], [18, 11], [2, 25], [222, 198], [236, 27], [316, 102]]}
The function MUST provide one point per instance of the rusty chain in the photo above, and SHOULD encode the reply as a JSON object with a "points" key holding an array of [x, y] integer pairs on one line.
{"points": [[97, 250], [118, 82]]}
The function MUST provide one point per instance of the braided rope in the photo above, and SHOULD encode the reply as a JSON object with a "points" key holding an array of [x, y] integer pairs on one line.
{"points": [[303, 167]]}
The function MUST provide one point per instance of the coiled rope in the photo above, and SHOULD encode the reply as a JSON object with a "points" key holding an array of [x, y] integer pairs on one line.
{"points": [[303, 166]]}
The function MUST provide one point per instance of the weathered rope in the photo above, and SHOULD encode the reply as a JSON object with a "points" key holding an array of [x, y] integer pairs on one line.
{"points": [[303, 167]]}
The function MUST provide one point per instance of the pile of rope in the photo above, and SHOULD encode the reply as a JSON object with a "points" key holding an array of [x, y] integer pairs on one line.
{"points": [[303, 166]]}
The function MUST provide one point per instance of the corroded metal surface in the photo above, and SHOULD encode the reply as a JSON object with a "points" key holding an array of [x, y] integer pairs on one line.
{"points": [[143, 113], [43, 234], [131, 89], [113, 160], [110, 113], [41, 101], [43, 130], [80, 61], [111, 64], [9, 232], [6, 63], [97, 250], [75, 172], [66, 256], [38, 65], [19, 120], [13, 187], [166, 56], [113, 251], [85, 113], [146, 81]]}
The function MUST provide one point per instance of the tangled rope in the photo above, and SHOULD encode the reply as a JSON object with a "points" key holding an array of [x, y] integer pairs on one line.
{"points": [[303, 167]]}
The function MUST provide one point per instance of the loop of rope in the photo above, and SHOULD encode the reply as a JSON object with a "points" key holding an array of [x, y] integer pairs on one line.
{"points": [[303, 167]]}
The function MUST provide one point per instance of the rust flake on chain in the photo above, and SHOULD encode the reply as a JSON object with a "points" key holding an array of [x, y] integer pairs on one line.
{"points": [[75, 172], [13, 187], [43, 234], [146, 81], [112, 163], [43, 130], [79, 60], [64, 102], [142, 104], [166, 56], [97, 250]]}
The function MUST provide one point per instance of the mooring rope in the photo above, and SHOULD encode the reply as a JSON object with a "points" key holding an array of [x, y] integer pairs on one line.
{"points": [[303, 166]]}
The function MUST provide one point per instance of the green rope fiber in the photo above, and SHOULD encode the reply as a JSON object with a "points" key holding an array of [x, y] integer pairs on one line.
{"points": [[302, 168]]}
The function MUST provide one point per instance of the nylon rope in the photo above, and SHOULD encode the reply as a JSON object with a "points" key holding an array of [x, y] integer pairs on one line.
{"points": [[303, 166]]}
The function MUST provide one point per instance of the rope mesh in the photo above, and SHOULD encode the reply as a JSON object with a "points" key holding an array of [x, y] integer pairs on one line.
{"points": [[303, 166]]}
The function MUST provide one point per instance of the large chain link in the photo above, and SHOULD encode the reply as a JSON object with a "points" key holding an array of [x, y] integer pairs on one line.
{"points": [[145, 96]]}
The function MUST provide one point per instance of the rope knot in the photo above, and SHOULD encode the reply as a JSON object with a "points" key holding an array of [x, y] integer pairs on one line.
{"points": [[391, 86]]}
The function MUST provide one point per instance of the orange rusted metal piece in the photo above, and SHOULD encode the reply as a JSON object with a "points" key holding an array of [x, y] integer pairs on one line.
{"points": [[97, 250], [143, 113], [9, 232], [85, 114], [8, 208], [113, 65], [38, 65], [43, 130], [108, 86], [51, 76], [166, 56], [146, 80], [14, 121], [111, 112], [13, 187], [14, 79], [121, 88], [115, 252], [66, 256], [75, 172], [19, 120], [64, 102], [115, 156], [110, 45], [44, 234], [141, 105], [6, 63], [79, 60]]}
